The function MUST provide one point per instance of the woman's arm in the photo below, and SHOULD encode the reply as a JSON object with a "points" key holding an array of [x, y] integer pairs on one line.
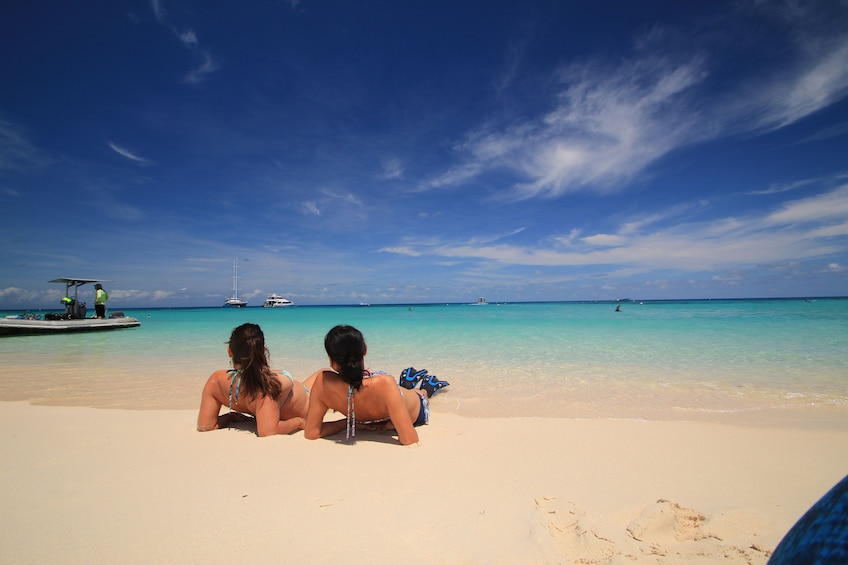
{"points": [[268, 420], [315, 425], [399, 414], [207, 418]]}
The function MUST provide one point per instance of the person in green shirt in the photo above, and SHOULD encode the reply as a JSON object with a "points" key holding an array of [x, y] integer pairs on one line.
{"points": [[100, 298]]}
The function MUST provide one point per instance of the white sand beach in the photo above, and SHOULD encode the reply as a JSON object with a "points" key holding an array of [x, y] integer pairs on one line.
{"points": [[84, 485]]}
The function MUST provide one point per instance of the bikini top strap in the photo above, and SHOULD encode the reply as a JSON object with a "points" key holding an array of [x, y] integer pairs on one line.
{"points": [[351, 415], [235, 379]]}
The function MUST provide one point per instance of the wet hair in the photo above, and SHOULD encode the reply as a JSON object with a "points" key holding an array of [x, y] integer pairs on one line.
{"points": [[247, 345], [346, 346]]}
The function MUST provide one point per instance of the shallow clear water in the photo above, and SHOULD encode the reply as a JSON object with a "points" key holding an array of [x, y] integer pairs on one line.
{"points": [[675, 359]]}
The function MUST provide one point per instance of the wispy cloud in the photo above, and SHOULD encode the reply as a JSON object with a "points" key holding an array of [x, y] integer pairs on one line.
{"points": [[392, 169], [207, 63], [608, 125], [207, 66], [189, 39], [836, 130], [800, 229], [611, 122], [16, 150], [112, 207], [158, 11], [311, 208], [123, 152], [777, 188]]}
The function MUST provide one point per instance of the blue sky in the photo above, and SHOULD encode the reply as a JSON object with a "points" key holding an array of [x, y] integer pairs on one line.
{"points": [[408, 151]]}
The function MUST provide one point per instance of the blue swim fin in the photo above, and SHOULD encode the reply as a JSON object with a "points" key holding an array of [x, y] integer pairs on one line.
{"points": [[410, 376], [431, 385]]}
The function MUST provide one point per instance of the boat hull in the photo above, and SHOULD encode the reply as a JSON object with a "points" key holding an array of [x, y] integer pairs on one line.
{"points": [[17, 326]]}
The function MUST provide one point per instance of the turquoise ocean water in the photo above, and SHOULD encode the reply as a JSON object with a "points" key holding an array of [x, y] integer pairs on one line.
{"points": [[748, 360]]}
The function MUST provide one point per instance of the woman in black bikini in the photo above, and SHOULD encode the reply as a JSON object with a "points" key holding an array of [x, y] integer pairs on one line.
{"points": [[278, 402], [371, 400]]}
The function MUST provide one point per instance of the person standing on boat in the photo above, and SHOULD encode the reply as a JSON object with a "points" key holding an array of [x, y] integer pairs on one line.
{"points": [[100, 298]]}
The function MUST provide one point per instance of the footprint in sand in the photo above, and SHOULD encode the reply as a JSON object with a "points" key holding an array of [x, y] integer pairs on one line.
{"points": [[684, 535], [665, 532], [666, 523], [563, 522]]}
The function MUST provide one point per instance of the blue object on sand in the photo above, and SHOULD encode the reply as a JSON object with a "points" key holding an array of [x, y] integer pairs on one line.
{"points": [[821, 535], [410, 376], [431, 385]]}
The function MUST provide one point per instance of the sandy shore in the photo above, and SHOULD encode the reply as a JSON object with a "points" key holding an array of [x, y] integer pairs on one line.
{"points": [[82, 485]]}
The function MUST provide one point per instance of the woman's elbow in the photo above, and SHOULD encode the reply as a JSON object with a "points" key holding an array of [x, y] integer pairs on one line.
{"points": [[207, 427], [411, 439]]}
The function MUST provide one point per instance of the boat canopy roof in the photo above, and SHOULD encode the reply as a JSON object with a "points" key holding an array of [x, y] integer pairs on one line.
{"points": [[69, 281], [76, 283]]}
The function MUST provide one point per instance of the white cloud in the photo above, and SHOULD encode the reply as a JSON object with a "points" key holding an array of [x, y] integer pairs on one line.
{"points": [[311, 208], [158, 11], [803, 229], [828, 206], [207, 67], [605, 240], [455, 175], [190, 41], [16, 151], [128, 154], [836, 268], [189, 38], [344, 197], [610, 123], [402, 250], [392, 169]]}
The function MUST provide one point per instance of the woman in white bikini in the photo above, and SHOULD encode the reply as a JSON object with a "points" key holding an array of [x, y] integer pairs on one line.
{"points": [[278, 402], [371, 400]]}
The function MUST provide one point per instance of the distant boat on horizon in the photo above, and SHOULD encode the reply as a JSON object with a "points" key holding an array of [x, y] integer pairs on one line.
{"points": [[234, 301], [481, 301], [276, 301]]}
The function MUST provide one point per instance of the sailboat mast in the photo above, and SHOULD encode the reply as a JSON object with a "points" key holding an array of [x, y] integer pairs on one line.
{"points": [[235, 278]]}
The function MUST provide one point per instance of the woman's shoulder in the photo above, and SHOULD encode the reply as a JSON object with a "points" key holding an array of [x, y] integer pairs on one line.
{"points": [[328, 379], [380, 381], [222, 374], [217, 382]]}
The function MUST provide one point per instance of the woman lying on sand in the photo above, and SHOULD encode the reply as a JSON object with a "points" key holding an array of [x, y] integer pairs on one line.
{"points": [[275, 398], [373, 399]]}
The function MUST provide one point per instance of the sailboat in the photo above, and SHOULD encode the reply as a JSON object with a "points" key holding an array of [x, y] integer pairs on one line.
{"points": [[234, 301]]}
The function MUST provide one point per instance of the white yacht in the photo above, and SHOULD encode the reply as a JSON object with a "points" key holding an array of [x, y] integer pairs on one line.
{"points": [[234, 301], [277, 301]]}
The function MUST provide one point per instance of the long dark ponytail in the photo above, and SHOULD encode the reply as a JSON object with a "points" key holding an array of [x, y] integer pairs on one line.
{"points": [[247, 345], [346, 346]]}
